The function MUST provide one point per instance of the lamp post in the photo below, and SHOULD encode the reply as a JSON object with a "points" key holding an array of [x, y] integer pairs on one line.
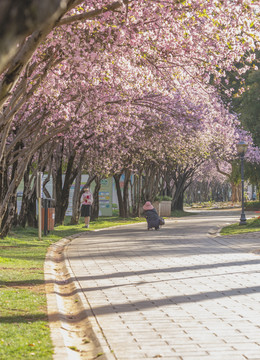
{"points": [[241, 150]]}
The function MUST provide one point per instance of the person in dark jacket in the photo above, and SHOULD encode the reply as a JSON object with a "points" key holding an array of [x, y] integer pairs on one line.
{"points": [[152, 218]]}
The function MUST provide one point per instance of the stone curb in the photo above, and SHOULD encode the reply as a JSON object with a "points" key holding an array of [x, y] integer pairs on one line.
{"points": [[57, 314], [53, 307], [215, 231], [97, 333]]}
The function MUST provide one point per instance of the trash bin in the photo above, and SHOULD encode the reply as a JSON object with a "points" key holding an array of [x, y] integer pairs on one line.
{"points": [[48, 215]]}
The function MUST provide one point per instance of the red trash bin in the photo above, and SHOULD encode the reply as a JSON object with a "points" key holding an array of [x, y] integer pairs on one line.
{"points": [[50, 217]]}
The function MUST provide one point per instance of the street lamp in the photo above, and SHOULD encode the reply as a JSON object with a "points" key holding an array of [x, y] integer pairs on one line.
{"points": [[241, 150]]}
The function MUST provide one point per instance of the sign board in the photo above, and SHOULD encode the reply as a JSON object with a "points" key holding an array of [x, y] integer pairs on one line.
{"points": [[105, 197]]}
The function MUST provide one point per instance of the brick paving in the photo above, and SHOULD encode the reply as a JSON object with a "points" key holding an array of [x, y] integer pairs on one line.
{"points": [[178, 293]]}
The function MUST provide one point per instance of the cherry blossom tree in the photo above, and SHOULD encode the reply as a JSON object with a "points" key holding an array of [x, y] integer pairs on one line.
{"points": [[87, 67]]}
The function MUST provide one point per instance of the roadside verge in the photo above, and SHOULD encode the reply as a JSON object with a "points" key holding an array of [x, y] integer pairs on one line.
{"points": [[74, 331]]}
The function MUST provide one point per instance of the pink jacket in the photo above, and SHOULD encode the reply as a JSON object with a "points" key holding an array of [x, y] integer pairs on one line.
{"points": [[87, 198]]}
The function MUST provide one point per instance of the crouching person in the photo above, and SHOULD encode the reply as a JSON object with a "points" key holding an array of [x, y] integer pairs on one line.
{"points": [[151, 215]]}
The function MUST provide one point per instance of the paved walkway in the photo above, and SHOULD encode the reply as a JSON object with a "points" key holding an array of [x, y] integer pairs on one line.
{"points": [[178, 293]]}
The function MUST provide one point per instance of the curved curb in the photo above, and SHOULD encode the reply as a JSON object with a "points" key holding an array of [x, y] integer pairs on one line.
{"points": [[53, 307], [70, 328], [215, 232], [97, 334]]}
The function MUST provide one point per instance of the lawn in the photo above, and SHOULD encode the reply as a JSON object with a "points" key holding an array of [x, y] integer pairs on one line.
{"points": [[24, 329], [180, 213], [251, 225]]}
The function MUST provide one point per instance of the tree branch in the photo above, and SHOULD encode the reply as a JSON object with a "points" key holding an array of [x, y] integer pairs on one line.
{"points": [[90, 14]]}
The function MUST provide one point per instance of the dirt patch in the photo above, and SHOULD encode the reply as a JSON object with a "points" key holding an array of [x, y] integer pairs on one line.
{"points": [[34, 288], [8, 247]]}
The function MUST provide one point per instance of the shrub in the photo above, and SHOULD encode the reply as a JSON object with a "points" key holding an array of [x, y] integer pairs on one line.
{"points": [[252, 206], [163, 198]]}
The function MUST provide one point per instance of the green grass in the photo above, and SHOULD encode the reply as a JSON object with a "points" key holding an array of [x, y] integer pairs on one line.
{"points": [[212, 205], [180, 213], [104, 222], [24, 330], [251, 226]]}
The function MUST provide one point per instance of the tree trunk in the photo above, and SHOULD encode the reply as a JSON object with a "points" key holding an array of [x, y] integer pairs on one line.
{"points": [[136, 198], [8, 199], [58, 193], [182, 178], [178, 203], [151, 183], [28, 212], [126, 193], [8, 219], [63, 191], [178, 195], [236, 193], [76, 201], [22, 219], [119, 195], [31, 215], [95, 206]]}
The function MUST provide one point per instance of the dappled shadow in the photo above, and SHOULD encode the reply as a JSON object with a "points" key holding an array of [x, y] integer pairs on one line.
{"points": [[34, 282], [29, 318], [139, 283], [20, 283], [127, 248], [23, 245], [168, 270], [22, 256], [173, 240], [52, 317], [66, 233], [174, 300]]}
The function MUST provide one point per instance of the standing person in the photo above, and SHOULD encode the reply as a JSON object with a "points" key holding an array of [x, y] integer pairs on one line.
{"points": [[151, 216], [86, 201]]}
